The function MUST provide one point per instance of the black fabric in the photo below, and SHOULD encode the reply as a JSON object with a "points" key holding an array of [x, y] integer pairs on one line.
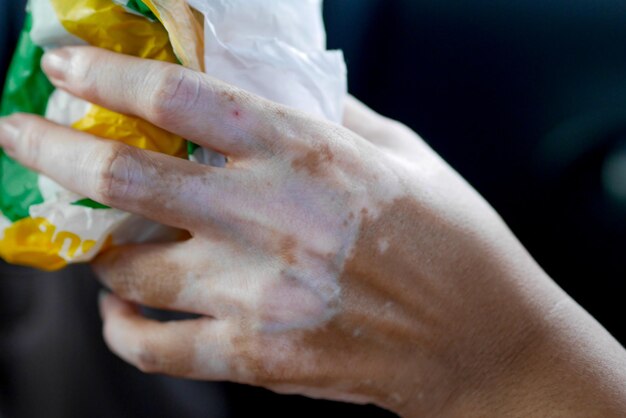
{"points": [[524, 98], [54, 362], [527, 100], [11, 17]]}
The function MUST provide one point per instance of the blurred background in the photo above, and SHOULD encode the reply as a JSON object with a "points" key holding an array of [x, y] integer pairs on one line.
{"points": [[526, 99]]}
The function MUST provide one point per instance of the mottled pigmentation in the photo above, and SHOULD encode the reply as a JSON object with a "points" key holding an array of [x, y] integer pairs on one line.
{"points": [[288, 247], [314, 161], [334, 351], [178, 357], [160, 289]]}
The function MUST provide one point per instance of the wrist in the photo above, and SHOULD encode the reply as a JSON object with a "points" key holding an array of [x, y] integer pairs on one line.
{"points": [[570, 367]]}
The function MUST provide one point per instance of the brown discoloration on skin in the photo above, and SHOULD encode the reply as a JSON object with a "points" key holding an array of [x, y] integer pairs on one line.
{"points": [[176, 356], [314, 161], [421, 247], [228, 95], [369, 281], [351, 355], [231, 99], [126, 276], [334, 352], [288, 250]]}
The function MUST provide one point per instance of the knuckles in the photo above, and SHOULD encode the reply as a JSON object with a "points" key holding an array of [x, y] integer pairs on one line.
{"points": [[143, 352], [175, 91], [266, 360], [30, 140], [111, 273], [146, 358], [117, 174], [83, 71]]}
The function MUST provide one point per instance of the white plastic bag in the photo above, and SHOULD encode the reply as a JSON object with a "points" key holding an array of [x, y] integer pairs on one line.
{"points": [[276, 49]]}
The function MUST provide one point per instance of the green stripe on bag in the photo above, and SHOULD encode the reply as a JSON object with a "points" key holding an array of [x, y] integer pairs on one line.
{"points": [[140, 7], [27, 90]]}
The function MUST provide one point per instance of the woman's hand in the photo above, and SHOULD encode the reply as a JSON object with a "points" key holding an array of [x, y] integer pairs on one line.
{"points": [[320, 262]]}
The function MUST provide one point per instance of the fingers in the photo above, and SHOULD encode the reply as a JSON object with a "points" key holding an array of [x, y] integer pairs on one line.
{"points": [[363, 121], [123, 270], [198, 348], [379, 130], [190, 104], [160, 276], [157, 186]]}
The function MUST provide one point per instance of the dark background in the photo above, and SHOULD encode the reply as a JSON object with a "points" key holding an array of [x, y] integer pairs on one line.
{"points": [[526, 99]]}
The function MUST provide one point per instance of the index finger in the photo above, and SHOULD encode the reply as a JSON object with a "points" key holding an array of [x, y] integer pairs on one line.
{"points": [[159, 187], [193, 105]]}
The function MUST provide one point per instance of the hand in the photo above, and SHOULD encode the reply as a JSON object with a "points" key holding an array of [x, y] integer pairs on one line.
{"points": [[320, 263]]}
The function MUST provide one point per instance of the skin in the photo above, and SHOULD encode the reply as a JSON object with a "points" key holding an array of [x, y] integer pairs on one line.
{"points": [[348, 263]]}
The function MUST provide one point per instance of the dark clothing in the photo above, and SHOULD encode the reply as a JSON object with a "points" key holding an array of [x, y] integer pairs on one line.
{"points": [[54, 362], [11, 16], [525, 99]]}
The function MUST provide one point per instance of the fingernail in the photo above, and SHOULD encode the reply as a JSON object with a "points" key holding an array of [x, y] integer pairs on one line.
{"points": [[56, 64], [9, 133]]}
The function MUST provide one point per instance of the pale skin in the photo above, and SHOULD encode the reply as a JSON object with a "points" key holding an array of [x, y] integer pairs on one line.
{"points": [[339, 262]]}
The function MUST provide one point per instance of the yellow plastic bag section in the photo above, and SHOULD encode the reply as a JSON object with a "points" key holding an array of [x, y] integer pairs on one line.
{"points": [[101, 23], [40, 245], [105, 24]]}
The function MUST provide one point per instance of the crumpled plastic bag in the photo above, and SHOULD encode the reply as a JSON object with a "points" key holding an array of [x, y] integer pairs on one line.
{"points": [[274, 48]]}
